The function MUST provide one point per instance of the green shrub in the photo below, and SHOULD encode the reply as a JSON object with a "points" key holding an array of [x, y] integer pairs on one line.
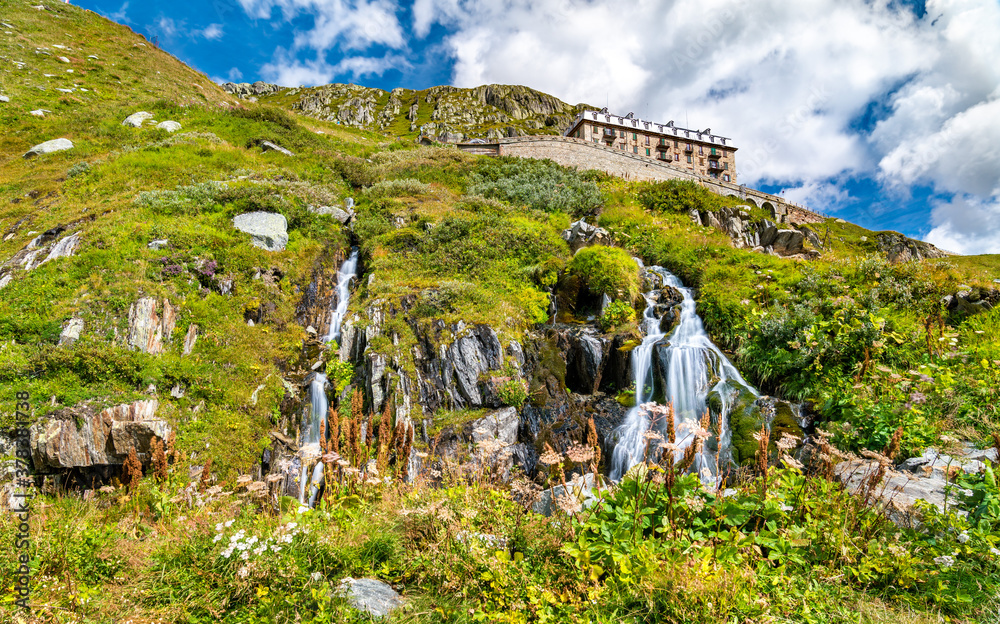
{"points": [[607, 271], [540, 184], [617, 313], [266, 114], [679, 196]]}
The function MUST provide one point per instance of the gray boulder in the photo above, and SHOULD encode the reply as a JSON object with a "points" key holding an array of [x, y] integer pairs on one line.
{"points": [[48, 147], [500, 425], [267, 146], [581, 234], [267, 230], [371, 596], [584, 361], [788, 242], [4, 98], [136, 119], [169, 126]]}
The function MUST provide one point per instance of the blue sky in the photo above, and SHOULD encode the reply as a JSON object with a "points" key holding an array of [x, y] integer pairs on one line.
{"points": [[885, 113]]}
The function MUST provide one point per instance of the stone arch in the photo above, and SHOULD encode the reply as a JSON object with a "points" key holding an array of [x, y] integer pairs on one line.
{"points": [[750, 201], [769, 207]]}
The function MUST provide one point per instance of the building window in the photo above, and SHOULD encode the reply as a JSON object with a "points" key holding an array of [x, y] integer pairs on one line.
{"points": [[690, 160], [701, 149], [621, 133], [675, 143], [726, 177], [701, 162], [634, 137], [677, 157], [647, 151], [725, 165]]}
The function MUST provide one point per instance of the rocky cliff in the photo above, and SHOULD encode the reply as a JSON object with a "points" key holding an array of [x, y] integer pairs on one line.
{"points": [[444, 112]]}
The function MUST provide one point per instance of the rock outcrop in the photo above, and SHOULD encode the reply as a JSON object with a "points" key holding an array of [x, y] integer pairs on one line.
{"points": [[267, 230], [251, 92], [972, 300], [581, 234], [899, 248], [80, 438], [147, 331], [759, 235]]}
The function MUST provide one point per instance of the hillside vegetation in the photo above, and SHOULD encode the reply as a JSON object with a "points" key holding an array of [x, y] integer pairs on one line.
{"points": [[447, 241]]}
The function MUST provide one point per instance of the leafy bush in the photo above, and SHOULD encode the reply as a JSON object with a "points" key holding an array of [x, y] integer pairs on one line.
{"points": [[679, 196], [540, 184], [397, 188], [607, 271], [617, 313]]}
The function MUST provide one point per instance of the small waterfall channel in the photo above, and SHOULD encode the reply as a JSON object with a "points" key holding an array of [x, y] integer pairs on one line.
{"points": [[313, 420], [682, 369]]}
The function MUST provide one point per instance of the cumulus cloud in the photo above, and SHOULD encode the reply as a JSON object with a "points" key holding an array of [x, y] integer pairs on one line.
{"points": [[349, 24], [966, 225]]}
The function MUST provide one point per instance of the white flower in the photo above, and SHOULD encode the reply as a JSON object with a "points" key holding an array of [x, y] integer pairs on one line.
{"points": [[995, 552], [963, 537], [945, 561], [291, 525], [252, 540], [216, 538], [218, 527], [245, 555], [229, 523], [276, 548]]}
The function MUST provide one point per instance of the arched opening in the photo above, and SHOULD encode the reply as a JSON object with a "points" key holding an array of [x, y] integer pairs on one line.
{"points": [[769, 207]]}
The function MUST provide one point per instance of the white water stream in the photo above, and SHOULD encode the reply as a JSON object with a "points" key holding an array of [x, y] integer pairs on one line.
{"points": [[348, 271], [691, 363]]}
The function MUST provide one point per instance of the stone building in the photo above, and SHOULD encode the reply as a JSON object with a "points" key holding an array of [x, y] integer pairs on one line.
{"points": [[698, 151]]}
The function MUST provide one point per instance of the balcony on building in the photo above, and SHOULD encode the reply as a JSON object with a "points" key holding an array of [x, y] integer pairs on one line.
{"points": [[609, 133], [689, 148], [714, 166], [714, 153]]}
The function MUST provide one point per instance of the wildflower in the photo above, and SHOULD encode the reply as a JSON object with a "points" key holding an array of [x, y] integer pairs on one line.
{"points": [[694, 503], [701, 433], [787, 441], [918, 398], [218, 527], [579, 453], [945, 561], [568, 504], [243, 572], [549, 457], [216, 538], [421, 454], [791, 462], [668, 447], [243, 480], [994, 551], [329, 458], [107, 489], [705, 474], [272, 478], [963, 537], [228, 523]]}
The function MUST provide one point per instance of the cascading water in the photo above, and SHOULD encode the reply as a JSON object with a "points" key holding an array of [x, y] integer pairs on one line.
{"points": [[690, 363], [311, 426], [348, 271]]}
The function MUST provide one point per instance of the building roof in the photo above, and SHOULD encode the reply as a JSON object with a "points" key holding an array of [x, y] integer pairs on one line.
{"points": [[635, 124]]}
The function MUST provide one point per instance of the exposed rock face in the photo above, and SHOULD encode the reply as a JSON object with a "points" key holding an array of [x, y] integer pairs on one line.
{"points": [[78, 437], [371, 596], [580, 234], [48, 147], [763, 235], [146, 330], [899, 248], [247, 91], [137, 119], [190, 338], [267, 230], [500, 425], [585, 354]]}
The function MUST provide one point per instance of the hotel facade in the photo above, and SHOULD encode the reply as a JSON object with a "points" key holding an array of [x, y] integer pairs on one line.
{"points": [[697, 151]]}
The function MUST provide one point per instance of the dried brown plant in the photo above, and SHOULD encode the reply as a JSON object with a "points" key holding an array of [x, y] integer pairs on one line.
{"points": [[671, 431], [334, 417], [763, 438], [593, 441], [354, 439], [893, 447], [206, 472], [404, 459], [132, 470], [159, 460]]}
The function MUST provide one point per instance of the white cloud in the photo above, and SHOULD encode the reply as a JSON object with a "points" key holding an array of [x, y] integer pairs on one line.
{"points": [[350, 24], [967, 225], [212, 32], [786, 81], [235, 75]]}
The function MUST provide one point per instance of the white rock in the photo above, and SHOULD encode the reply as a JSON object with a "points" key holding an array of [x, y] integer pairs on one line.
{"points": [[71, 333], [93, 56], [169, 126], [55, 145], [62, 59], [267, 230], [65, 90], [158, 244], [271, 147], [135, 119], [4, 98], [371, 596]]}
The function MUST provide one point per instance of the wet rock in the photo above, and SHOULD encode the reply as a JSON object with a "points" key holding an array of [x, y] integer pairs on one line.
{"points": [[4, 99], [584, 360], [267, 230], [79, 437], [48, 147], [371, 596], [136, 120]]}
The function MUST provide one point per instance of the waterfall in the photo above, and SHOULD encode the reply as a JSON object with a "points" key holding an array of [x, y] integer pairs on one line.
{"points": [[312, 423], [347, 272], [692, 368]]}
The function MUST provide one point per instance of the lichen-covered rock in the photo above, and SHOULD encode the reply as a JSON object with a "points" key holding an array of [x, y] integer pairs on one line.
{"points": [[247, 91], [267, 230], [371, 596], [147, 330], [169, 126], [899, 248], [136, 120], [581, 234]]}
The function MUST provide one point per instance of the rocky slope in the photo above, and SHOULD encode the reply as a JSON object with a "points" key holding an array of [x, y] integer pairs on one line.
{"points": [[444, 112]]}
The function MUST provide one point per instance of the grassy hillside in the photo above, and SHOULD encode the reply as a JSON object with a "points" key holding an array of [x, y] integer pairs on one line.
{"points": [[447, 238]]}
